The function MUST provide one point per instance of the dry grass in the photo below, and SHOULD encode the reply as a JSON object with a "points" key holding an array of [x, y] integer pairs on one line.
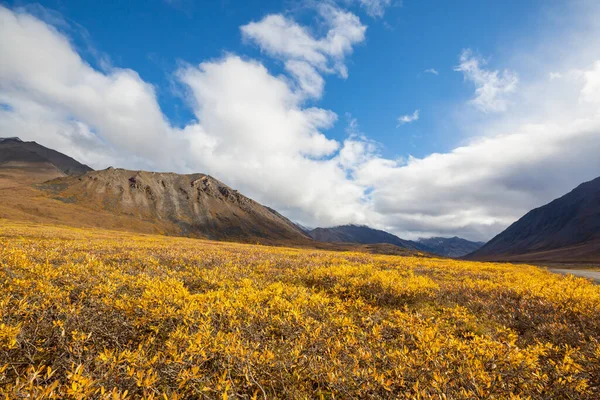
{"points": [[21, 200], [105, 314]]}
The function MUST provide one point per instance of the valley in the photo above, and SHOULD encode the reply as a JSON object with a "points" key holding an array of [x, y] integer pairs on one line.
{"points": [[94, 313]]}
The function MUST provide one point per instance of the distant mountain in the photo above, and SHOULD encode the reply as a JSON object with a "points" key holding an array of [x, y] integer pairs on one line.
{"points": [[360, 234], [564, 230], [303, 228], [15, 153], [447, 247], [450, 247]]}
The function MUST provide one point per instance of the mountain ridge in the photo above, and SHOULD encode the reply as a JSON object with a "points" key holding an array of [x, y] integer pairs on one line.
{"points": [[454, 247], [359, 234], [194, 204], [41, 184], [352, 233]]}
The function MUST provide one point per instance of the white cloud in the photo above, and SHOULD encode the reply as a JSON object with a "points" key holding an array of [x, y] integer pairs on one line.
{"points": [[306, 56], [266, 144], [491, 87], [375, 8], [480, 188], [554, 75], [308, 79], [432, 71], [408, 118], [591, 89], [46, 78]]}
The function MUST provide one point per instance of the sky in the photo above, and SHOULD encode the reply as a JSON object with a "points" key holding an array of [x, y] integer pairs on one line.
{"points": [[420, 117]]}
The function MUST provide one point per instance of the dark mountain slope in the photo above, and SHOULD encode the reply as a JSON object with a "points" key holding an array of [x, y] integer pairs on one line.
{"points": [[360, 234], [447, 247], [564, 230], [450, 247], [15, 152]]}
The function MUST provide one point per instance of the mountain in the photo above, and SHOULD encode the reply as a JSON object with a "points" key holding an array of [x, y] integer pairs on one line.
{"points": [[564, 230], [15, 153], [360, 234], [450, 247], [447, 247], [191, 205], [42, 185]]}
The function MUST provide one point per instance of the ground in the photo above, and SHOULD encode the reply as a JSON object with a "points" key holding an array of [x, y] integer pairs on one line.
{"points": [[92, 313]]}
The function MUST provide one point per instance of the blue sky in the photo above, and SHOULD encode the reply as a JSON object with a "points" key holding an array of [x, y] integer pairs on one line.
{"points": [[420, 117], [386, 72]]}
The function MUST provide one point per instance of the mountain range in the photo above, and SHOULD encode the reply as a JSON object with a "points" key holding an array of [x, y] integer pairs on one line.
{"points": [[191, 205], [39, 184], [359, 234], [454, 247], [447, 247]]}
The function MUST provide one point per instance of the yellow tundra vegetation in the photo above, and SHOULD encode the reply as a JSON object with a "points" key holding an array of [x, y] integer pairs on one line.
{"points": [[113, 315]]}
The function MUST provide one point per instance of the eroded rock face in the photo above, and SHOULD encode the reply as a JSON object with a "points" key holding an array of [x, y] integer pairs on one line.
{"points": [[191, 204]]}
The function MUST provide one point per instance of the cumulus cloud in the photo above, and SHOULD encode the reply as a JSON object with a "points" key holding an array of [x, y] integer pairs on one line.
{"points": [[432, 71], [49, 87], [492, 88], [408, 118], [480, 188], [266, 144], [253, 130], [306, 56]]}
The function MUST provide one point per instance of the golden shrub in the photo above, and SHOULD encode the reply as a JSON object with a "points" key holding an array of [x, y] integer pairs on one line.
{"points": [[112, 315]]}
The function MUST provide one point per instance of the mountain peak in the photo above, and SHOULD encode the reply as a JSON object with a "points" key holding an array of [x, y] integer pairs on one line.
{"points": [[14, 150]]}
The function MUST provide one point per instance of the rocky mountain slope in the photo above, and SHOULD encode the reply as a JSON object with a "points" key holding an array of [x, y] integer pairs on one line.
{"points": [[195, 204], [564, 230]]}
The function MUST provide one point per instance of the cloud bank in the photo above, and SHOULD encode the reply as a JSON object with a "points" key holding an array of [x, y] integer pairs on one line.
{"points": [[254, 131]]}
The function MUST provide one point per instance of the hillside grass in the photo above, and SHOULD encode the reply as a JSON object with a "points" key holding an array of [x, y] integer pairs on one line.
{"points": [[105, 314]]}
